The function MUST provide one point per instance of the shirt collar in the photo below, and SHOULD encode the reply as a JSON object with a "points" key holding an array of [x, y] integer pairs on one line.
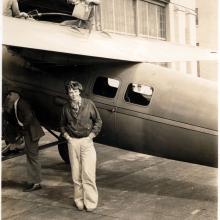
{"points": [[77, 102]]}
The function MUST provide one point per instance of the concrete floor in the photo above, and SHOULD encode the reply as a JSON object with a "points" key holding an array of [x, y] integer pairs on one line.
{"points": [[131, 186]]}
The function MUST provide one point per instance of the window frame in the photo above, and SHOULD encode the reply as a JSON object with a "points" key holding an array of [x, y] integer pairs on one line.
{"points": [[160, 19], [135, 104], [101, 96]]}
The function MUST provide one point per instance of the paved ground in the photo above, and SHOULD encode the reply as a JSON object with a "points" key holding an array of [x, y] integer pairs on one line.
{"points": [[131, 186]]}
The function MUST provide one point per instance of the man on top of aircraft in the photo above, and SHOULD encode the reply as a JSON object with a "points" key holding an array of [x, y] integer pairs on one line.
{"points": [[11, 9], [32, 132], [80, 123], [83, 11]]}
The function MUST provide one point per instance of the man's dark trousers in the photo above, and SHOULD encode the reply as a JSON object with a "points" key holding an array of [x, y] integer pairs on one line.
{"points": [[33, 162]]}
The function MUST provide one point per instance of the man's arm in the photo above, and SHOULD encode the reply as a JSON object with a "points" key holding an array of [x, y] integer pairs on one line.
{"points": [[26, 112], [15, 8], [16, 12]]}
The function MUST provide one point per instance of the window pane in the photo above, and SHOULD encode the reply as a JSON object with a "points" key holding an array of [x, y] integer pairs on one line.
{"points": [[138, 94], [143, 17], [152, 20], [106, 87], [118, 16], [107, 11], [130, 16], [162, 22], [152, 9]]}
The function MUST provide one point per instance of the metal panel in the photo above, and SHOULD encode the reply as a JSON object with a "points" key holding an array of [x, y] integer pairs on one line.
{"points": [[146, 136]]}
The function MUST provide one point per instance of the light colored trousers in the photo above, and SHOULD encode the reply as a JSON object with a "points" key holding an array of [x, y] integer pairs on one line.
{"points": [[82, 156]]}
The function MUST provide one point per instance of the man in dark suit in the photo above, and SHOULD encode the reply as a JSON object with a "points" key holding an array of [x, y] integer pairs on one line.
{"points": [[32, 131]]}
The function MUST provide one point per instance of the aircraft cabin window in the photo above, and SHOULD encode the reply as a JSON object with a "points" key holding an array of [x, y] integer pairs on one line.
{"points": [[138, 94], [105, 86]]}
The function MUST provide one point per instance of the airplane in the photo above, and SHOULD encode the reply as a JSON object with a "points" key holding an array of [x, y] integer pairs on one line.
{"points": [[145, 108]]}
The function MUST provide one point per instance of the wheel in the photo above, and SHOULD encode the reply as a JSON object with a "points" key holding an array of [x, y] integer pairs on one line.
{"points": [[63, 151]]}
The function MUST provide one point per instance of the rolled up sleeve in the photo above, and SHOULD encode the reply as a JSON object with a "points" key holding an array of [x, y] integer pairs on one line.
{"points": [[15, 8]]}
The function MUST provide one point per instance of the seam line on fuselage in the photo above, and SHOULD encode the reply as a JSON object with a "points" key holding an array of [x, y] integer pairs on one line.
{"points": [[146, 116]]}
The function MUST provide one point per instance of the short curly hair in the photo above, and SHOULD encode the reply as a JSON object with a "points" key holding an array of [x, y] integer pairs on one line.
{"points": [[73, 85]]}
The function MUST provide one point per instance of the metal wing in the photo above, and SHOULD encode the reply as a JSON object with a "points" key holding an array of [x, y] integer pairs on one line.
{"points": [[53, 37]]}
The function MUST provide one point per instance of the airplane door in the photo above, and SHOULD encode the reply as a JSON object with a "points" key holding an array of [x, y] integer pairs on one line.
{"points": [[134, 106], [103, 92]]}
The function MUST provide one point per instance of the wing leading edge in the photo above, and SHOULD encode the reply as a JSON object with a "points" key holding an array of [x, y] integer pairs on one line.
{"points": [[56, 38]]}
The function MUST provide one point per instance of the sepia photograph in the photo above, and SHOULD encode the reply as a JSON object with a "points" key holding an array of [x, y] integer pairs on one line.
{"points": [[109, 110]]}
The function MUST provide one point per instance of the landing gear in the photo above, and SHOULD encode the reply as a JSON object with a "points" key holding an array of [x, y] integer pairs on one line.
{"points": [[62, 147], [61, 142]]}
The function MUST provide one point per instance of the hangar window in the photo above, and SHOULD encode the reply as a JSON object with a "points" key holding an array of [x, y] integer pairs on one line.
{"points": [[105, 86], [145, 18], [138, 94]]}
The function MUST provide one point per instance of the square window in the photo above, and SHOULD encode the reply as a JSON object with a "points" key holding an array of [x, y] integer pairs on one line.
{"points": [[139, 94], [106, 87]]}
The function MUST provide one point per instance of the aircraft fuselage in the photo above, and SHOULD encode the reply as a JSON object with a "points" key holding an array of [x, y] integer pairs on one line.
{"points": [[179, 121]]}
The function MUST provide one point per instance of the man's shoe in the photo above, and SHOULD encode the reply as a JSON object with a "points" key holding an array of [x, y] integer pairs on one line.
{"points": [[5, 149], [7, 152], [32, 187], [10, 152]]}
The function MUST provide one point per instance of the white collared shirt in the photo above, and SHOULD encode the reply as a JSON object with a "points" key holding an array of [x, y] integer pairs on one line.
{"points": [[16, 114]]}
